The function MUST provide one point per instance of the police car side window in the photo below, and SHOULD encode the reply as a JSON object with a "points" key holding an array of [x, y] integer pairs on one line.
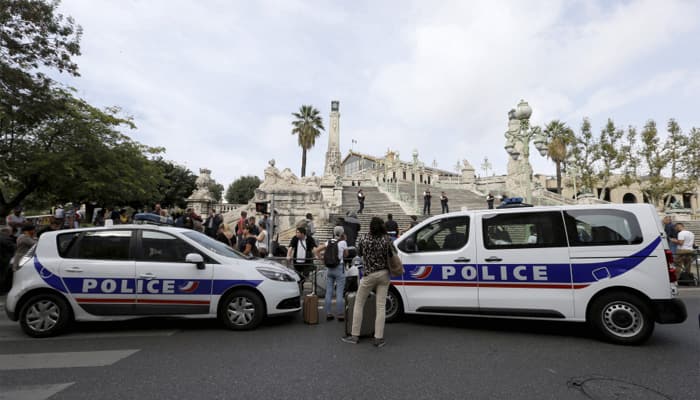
{"points": [[162, 247], [97, 245], [602, 227], [523, 230], [442, 235]]}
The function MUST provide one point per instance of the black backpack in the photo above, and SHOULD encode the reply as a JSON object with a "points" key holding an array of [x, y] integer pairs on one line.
{"points": [[330, 256]]}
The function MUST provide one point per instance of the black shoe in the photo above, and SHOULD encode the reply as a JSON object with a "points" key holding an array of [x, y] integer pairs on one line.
{"points": [[329, 317], [379, 342]]}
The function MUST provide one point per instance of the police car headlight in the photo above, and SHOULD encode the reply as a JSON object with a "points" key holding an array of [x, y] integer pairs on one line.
{"points": [[275, 275]]}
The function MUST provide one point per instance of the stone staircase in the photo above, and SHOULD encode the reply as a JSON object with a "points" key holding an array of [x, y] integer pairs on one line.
{"points": [[376, 204], [458, 198]]}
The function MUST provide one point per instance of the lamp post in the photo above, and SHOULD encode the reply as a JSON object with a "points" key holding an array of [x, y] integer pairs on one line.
{"points": [[573, 173], [522, 136], [397, 163], [415, 181]]}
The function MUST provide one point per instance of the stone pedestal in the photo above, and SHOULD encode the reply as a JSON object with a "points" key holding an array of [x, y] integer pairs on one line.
{"points": [[201, 200]]}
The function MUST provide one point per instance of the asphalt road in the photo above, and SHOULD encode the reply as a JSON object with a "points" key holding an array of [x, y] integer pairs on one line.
{"points": [[425, 358]]}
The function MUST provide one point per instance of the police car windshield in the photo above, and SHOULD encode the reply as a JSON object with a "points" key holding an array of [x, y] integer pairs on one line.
{"points": [[214, 245]]}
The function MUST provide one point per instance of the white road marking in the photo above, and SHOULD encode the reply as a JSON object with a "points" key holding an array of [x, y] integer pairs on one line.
{"points": [[34, 392], [71, 359]]}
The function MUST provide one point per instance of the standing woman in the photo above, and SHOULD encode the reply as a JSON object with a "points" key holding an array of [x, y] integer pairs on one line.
{"points": [[225, 235], [249, 242], [262, 239], [374, 249]]}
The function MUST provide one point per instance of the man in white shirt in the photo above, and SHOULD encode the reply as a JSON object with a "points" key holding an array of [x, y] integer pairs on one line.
{"points": [[685, 242]]}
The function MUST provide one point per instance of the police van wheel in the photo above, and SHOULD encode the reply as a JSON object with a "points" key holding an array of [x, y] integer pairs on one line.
{"points": [[394, 307], [622, 318], [44, 315], [242, 310]]}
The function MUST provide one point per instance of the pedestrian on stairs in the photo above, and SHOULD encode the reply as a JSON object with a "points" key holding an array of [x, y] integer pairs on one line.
{"points": [[426, 201], [361, 200], [443, 203], [392, 228]]}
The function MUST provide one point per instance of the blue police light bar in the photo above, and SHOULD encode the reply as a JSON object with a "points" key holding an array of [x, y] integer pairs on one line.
{"points": [[513, 200], [147, 218]]}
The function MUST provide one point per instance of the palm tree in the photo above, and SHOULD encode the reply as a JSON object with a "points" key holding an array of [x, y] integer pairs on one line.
{"points": [[308, 126], [559, 137]]}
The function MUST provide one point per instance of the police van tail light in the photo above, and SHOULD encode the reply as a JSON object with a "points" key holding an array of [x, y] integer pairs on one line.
{"points": [[672, 277]]}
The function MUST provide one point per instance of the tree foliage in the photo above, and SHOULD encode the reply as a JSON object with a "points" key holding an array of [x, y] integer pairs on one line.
{"points": [[608, 154], [216, 189], [654, 186], [242, 190], [584, 153], [307, 126], [176, 185], [559, 138]]}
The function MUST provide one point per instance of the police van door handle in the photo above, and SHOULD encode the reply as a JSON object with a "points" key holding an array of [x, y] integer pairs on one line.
{"points": [[147, 275], [74, 269], [462, 259], [492, 258]]}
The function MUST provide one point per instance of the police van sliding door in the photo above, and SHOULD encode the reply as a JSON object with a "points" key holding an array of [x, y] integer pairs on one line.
{"points": [[98, 270], [440, 275], [165, 283], [523, 265]]}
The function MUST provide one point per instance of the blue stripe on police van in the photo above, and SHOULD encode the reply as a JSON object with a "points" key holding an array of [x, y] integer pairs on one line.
{"points": [[521, 275]]}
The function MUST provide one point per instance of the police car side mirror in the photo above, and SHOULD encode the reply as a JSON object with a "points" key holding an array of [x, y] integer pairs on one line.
{"points": [[195, 258]]}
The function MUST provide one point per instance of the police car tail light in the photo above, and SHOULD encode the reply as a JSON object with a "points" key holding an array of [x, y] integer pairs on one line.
{"points": [[275, 275], [26, 257], [672, 277]]}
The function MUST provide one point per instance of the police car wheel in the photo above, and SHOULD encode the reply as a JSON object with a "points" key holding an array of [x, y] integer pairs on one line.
{"points": [[622, 318], [394, 307], [242, 310], [44, 315]]}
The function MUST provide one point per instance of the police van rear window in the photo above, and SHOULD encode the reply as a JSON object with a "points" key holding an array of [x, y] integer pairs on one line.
{"points": [[602, 227], [523, 230]]}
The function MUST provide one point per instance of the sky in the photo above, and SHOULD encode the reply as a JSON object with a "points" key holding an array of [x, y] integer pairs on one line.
{"points": [[216, 82]]}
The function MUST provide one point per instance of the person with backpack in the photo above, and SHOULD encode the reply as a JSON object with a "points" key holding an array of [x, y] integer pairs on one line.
{"points": [[334, 251]]}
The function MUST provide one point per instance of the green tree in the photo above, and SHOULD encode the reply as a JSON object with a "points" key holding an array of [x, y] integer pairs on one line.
{"points": [[177, 184], [584, 152], [307, 126], [76, 152], [216, 189], [631, 163], [609, 155], [690, 161], [242, 189], [674, 148], [654, 161], [559, 138]]}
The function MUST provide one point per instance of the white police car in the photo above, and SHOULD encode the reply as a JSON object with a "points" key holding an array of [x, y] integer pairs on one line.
{"points": [[608, 265], [127, 271]]}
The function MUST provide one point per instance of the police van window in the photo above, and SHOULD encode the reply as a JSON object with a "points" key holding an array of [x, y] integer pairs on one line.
{"points": [[162, 247], [442, 235], [101, 245], [523, 230], [214, 245], [602, 227], [66, 242]]}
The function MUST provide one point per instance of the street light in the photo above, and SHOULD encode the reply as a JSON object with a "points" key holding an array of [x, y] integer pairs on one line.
{"points": [[572, 170], [415, 181], [523, 135]]}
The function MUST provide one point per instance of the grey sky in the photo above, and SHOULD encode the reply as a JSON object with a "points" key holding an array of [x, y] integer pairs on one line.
{"points": [[215, 82]]}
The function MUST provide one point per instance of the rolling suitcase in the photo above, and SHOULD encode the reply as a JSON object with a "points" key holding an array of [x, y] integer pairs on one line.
{"points": [[310, 305], [368, 315]]}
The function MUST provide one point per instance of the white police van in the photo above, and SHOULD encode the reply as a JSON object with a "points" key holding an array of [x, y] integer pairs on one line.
{"points": [[127, 271], [608, 265]]}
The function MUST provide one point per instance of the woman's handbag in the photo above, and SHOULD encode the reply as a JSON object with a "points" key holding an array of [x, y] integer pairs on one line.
{"points": [[394, 262]]}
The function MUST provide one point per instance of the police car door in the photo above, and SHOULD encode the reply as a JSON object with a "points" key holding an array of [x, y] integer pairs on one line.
{"points": [[438, 258], [523, 265], [98, 270], [165, 283]]}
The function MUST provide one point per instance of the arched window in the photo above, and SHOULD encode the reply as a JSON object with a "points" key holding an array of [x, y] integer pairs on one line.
{"points": [[629, 198]]}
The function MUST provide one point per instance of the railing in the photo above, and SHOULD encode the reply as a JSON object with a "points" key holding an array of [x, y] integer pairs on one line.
{"points": [[404, 200]]}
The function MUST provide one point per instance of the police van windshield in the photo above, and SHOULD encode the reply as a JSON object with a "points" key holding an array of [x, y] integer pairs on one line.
{"points": [[214, 245]]}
